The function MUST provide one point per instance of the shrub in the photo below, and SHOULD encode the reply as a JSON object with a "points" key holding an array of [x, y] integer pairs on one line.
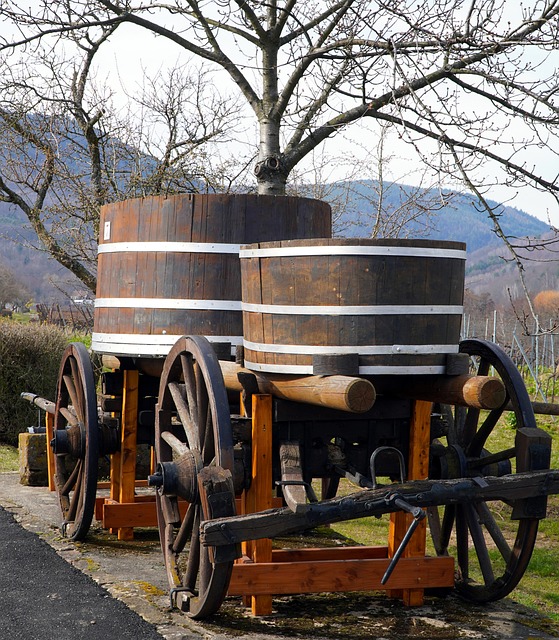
{"points": [[30, 356]]}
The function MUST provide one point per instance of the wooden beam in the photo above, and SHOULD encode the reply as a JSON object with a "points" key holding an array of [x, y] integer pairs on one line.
{"points": [[278, 578], [329, 553], [368, 502], [481, 392], [259, 495], [49, 425], [141, 513], [346, 393], [128, 448]]}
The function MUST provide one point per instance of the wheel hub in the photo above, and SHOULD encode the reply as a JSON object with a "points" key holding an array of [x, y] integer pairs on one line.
{"points": [[453, 463], [179, 477], [69, 441]]}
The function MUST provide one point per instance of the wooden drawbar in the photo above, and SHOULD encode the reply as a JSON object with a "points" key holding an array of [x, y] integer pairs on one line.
{"points": [[352, 306], [169, 266]]}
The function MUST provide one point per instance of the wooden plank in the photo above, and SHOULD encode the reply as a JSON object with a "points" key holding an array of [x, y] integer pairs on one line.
{"points": [[128, 447], [347, 393], [368, 502], [98, 513], [124, 516], [116, 459], [49, 424], [418, 469], [107, 484], [259, 496], [118, 515], [282, 578]]}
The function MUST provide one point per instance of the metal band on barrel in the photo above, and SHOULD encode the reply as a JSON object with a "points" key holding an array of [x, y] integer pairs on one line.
{"points": [[353, 250], [168, 303], [360, 310], [168, 247], [363, 350], [365, 370], [145, 344]]}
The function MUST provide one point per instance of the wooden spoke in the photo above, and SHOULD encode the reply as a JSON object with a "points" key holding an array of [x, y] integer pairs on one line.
{"points": [[76, 495], [176, 445], [193, 565], [69, 416], [204, 419], [185, 532], [184, 415], [493, 458], [457, 419], [189, 382], [73, 393], [480, 545], [487, 519], [76, 382], [441, 528], [479, 438], [72, 478], [462, 544]]}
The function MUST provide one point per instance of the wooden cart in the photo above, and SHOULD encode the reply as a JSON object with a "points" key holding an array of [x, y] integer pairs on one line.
{"points": [[240, 445]]}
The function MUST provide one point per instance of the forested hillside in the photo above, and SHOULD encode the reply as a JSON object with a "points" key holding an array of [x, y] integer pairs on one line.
{"points": [[452, 216]]}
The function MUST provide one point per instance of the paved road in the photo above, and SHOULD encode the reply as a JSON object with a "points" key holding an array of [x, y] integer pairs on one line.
{"points": [[42, 596]]}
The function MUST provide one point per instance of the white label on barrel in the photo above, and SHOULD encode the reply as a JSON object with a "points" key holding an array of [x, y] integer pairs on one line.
{"points": [[107, 231]]}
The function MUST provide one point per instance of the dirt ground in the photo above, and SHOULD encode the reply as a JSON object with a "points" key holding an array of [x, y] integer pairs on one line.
{"points": [[133, 572]]}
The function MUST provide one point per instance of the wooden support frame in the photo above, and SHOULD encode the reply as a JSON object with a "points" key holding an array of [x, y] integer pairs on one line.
{"points": [[259, 496], [263, 572], [123, 509], [49, 428], [418, 469]]}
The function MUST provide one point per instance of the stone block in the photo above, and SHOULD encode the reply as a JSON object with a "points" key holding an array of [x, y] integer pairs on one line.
{"points": [[33, 459]]}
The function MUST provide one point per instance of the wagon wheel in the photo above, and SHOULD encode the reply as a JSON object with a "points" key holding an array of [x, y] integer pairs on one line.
{"points": [[75, 441], [485, 529], [194, 449]]}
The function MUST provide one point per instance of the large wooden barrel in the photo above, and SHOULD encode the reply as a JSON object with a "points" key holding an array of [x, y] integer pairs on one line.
{"points": [[367, 307], [169, 266]]}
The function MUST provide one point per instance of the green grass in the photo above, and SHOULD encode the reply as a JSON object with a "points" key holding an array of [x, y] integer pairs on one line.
{"points": [[9, 458], [24, 318]]}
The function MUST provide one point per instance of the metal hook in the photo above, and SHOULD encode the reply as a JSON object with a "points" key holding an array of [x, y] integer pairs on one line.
{"points": [[401, 461]]}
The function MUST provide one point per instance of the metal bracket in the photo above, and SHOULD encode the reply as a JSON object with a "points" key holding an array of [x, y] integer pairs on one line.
{"points": [[395, 499], [173, 595], [311, 495], [390, 450]]}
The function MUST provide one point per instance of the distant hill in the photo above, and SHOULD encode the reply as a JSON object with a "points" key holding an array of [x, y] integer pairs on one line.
{"points": [[459, 220], [44, 279]]}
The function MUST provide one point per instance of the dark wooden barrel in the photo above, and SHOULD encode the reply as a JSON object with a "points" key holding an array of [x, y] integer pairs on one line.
{"points": [[367, 307], [169, 266]]}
